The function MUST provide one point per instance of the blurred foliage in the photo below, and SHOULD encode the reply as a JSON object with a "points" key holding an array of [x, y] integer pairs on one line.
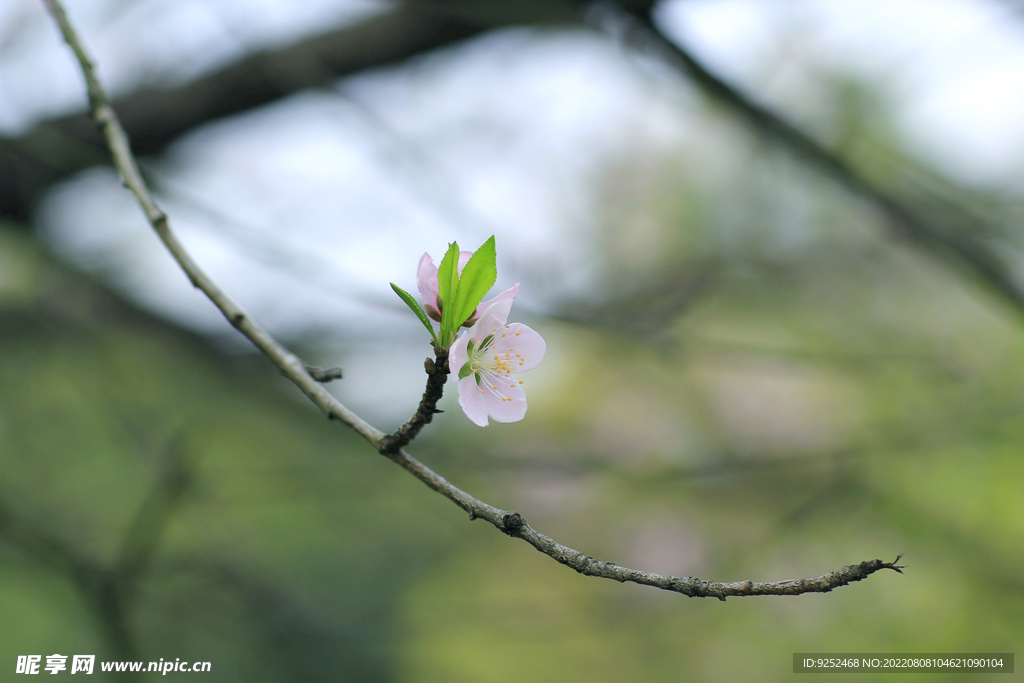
{"points": [[768, 387], [286, 554]]}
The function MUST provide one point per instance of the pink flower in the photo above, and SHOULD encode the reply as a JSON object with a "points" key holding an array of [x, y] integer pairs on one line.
{"points": [[426, 281], [486, 358]]}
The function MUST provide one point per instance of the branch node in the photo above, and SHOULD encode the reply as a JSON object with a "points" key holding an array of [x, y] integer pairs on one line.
{"points": [[512, 523], [323, 375]]}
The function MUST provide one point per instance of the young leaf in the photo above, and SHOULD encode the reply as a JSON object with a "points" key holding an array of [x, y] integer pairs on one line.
{"points": [[415, 306], [448, 274], [448, 281], [477, 277]]}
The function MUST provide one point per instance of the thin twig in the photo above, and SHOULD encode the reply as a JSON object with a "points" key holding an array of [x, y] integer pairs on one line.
{"points": [[509, 522]]}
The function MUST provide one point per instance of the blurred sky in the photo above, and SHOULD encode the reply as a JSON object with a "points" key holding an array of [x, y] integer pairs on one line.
{"points": [[305, 209]]}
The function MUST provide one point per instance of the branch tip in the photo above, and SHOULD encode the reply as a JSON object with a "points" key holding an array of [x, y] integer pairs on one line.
{"points": [[898, 568]]}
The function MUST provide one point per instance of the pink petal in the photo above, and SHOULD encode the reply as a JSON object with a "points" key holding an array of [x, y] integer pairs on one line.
{"points": [[458, 355], [426, 280], [472, 401], [492, 319], [509, 293], [501, 410], [522, 344]]}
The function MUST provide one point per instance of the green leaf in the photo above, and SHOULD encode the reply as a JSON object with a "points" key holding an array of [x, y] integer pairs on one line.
{"points": [[477, 277], [448, 282], [448, 273], [466, 371], [415, 306]]}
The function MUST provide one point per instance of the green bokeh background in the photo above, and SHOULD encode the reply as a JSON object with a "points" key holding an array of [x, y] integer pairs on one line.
{"points": [[770, 386]]}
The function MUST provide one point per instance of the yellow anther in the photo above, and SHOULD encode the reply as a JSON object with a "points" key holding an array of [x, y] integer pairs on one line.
{"points": [[520, 381], [502, 334], [517, 334]]}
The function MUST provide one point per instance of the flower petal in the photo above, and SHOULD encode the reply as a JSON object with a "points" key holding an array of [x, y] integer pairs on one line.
{"points": [[509, 293], [472, 401], [426, 279], [524, 347], [427, 283], [492, 319], [507, 404]]}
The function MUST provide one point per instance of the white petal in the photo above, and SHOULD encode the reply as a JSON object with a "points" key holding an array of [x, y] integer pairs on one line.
{"points": [[458, 354], [524, 347], [509, 293], [472, 401], [500, 409], [426, 280], [492, 319]]}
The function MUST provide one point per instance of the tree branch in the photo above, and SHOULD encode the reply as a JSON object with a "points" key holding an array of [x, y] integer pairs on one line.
{"points": [[510, 523], [154, 116], [957, 249], [437, 375]]}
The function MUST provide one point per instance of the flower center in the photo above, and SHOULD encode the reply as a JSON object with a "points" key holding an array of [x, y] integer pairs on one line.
{"points": [[492, 366]]}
